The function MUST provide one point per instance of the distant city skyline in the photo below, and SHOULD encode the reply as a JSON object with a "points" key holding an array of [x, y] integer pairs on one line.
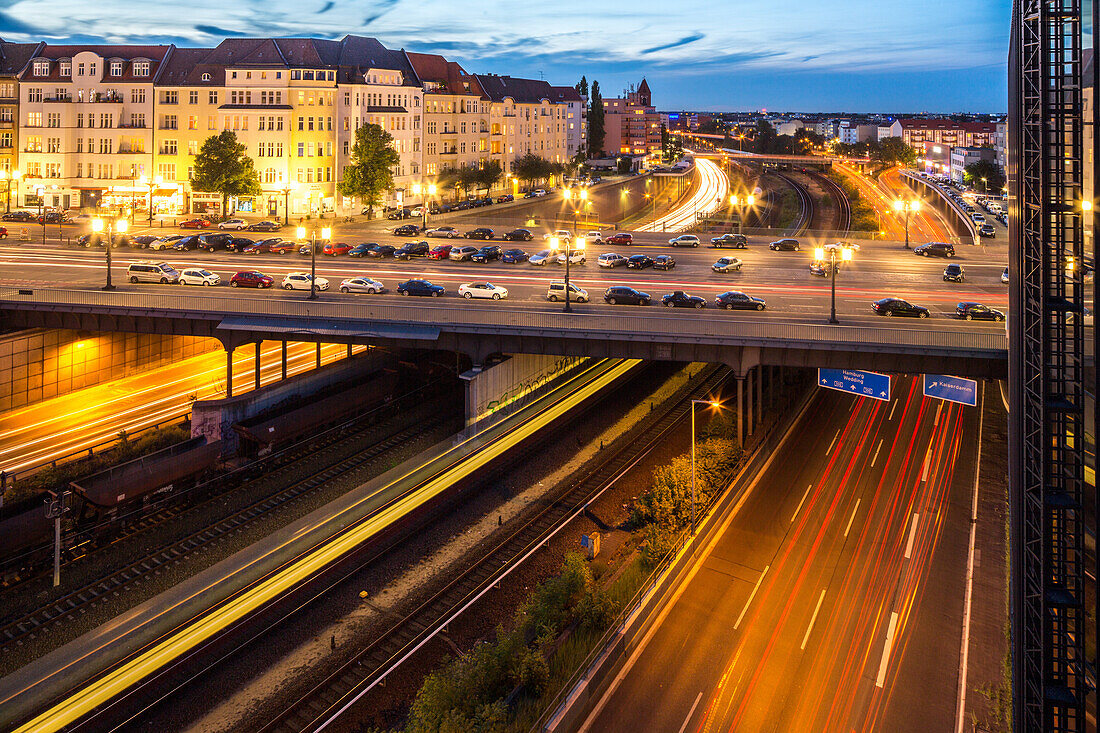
{"points": [[936, 56]]}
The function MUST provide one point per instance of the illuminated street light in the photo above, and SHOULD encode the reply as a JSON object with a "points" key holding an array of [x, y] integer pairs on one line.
{"points": [[845, 256], [286, 189], [710, 403], [427, 190], [741, 202], [8, 179], [152, 184], [326, 233], [909, 205], [580, 198], [120, 226]]}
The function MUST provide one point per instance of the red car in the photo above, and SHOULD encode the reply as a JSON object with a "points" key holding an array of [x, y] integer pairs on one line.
{"points": [[620, 238], [196, 223], [439, 252], [3, 232], [282, 246], [336, 248], [251, 279]]}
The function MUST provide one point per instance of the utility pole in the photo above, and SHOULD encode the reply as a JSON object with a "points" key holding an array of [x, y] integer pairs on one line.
{"points": [[57, 506]]}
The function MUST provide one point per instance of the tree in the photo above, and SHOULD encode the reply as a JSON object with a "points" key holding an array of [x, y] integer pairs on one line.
{"points": [[489, 175], [582, 87], [221, 166], [370, 173], [892, 151], [672, 146], [984, 175], [531, 167], [596, 132]]}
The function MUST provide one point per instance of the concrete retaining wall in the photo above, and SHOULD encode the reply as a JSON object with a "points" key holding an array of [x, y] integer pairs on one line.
{"points": [[504, 387], [38, 364]]}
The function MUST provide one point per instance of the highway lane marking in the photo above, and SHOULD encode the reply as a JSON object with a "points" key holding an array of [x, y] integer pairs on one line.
{"points": [[751, 596], [886, 649], [896, 401], [691, 712], [927, 462], [801, 502], [912, 536], [853, 518], [830, 448], [813, 619], [936, 422], [960, 710], [877, 449]]}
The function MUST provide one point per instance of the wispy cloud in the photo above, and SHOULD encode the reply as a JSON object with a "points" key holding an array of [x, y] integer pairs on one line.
{"points": [[675, 44]]}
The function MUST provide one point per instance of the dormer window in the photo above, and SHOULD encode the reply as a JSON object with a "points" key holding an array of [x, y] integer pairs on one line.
{"points": [[141, 68], [41, 68], [116, 68], [66, 68], [206, 77]]}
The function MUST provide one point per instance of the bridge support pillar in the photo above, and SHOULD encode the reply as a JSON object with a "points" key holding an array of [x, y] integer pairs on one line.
{"points": [[256, 376], [740, 411], [284, 359], [349, 351], [318, 350], [759, 396], [228, 371]]}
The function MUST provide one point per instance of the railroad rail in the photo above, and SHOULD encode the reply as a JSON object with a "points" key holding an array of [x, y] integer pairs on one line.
{"points": [[806, 216], [844, 206], [369, 667]]}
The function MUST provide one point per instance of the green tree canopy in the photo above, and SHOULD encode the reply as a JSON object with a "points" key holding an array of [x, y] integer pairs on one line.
{"points": [[531, 167], [985, 176], [582, 86], [222, 167], [597, 134], [892, 151], [489, 175], [370, 173]]}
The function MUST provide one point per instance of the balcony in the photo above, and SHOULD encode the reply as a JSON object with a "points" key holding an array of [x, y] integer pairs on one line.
{"points": [[448, 152], [168, 151], [448, 132], [62, 98], [132, 126], [130, 151]]}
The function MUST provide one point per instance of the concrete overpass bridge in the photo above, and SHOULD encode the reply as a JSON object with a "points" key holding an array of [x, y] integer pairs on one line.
{"points": [[743, 343]]}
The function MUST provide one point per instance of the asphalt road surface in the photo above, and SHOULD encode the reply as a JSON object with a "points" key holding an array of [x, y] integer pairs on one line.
{"points": [[834, 599]]}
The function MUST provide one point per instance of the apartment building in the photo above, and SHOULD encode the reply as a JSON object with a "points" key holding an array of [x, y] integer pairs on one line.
{"points": [[916, 132], [632, 124], [524, 119], [576, 118], [14, 58], [86, 124]]}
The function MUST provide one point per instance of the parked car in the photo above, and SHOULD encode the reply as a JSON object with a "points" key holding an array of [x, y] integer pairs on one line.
{"points": [[398, 214], [406, 230], [238, 224], [639, 262], [987, 230], [543, 257], [953, 273], [784, 245], [737, 241], [152, 272], [620, 238], [487, 254], [480, 233], [52, 217], [212, 242], [361, 250], [626, 295], [935, 249], [420, 287], [301, 280], [1004, 275], [977, 312], [482, 290], [461, 254], [505, 198], [447, 232], [736, 300], [684, 240], [610, 259], [561, 235], [161, 243], [188, 243], [412, 249], [440, 251], [539, 192], [727, 264], [680, 299], [362, 284], [519, 235], [593, 237], [238, 244], [663, 262], [199, 276], [576, 257], [513, 256], [556, 291], [264, 226], [280, 246], [251, 279], [23, 216], [382, 250], [898, 307], [141, 241], [196, 223]]}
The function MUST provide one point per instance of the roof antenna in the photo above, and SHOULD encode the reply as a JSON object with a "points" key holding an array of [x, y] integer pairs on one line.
{"points": [[542, 75]]}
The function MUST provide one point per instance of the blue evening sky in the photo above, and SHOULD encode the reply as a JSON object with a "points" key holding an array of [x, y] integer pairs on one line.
{"points": [[799, 55]]}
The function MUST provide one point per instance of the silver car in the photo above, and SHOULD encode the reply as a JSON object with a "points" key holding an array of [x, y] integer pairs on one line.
{"points": [[459, 254], [361, 284]]}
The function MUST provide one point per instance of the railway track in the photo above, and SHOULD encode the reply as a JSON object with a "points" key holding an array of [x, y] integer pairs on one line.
{"points": [[15, 632], [843, 205], [806, 216], [371, 665]]}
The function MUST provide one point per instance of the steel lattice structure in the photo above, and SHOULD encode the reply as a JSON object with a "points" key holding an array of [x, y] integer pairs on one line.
{"points": [[1047, 365]]}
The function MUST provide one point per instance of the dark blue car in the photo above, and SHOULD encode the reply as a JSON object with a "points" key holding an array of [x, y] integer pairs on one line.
{"points": [[361, 250], [420, 287], [512, 256]]}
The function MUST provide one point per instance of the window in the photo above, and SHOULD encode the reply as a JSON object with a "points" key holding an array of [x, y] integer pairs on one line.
{"points": [[328, 148], [309, 150], [168, 171], [116, 68], [141, 68], [279, 124], [301, 150], [137, 120], [301, 124], [53, 170], [42, 68], [170, 147], [193, 97], [213, 95], [310, 123], [80, 69], [212, 122], [301, 175], [137, 96], [91, 69], [278, 150], [347, 98], [66, 68], [345, 147], [192, 122], [79, 170], [80, 145], [34, 119], [206, 77], [106, 120], [167, 97], [34, 95], [53, 145], [53, 119], [169, 123], [106, 145], [269, 175], [192, 147]]}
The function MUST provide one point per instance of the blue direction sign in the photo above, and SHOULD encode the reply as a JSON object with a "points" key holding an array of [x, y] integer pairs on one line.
{"points": [[952, 389], [864, 384]]}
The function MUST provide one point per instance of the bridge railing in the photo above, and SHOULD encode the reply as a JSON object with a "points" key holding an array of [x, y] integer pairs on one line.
{"points": [[361, 315], [950, 203]]}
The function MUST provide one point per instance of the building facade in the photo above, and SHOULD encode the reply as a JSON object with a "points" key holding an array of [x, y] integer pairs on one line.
{"points": [[576, 119], [945, 132], [14, 58], [632, 124]]}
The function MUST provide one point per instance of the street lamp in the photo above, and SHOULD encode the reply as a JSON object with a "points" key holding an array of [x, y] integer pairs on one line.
{"points": [[152, 183], [8, 179], [427, 191], [845, 255], [715, 405], [326, 233], [112, 226], [741, 202], [909, 205], [286, 189], [580, 198]]}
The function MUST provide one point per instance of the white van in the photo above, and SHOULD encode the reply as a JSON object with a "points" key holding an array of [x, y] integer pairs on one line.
{"points": [[556, 292], [152, 272]]}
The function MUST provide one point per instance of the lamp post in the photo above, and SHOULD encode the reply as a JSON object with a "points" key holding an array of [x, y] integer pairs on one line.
{"points": [[41, 191], [909, 205], [9, 178], [741, 202], [426, 191], [326, 232], [580, 198], [152, 183], [714, 404], [286, 189], [120, 226], [845, 256]]}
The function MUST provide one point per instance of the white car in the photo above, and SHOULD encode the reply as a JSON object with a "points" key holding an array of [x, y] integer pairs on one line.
{"points": [[237, 224], [198, 276], [576, 257], [684, 240], [543, 257], [482, 290], [610, 259], [165, 242], [300, 281], [539, 192], [561, 235], [362, 284], [593, 237], [1004, 276], [446, 232], [727, 264]]}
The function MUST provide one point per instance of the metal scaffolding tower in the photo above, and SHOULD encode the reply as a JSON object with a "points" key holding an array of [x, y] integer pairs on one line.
{"points": [[1047, 365]]}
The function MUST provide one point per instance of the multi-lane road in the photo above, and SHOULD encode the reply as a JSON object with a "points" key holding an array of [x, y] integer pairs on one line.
{"points": [[833, 599]]}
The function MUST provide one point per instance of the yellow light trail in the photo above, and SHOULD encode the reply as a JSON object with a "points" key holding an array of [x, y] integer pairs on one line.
{"points": [[712, 192]]}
